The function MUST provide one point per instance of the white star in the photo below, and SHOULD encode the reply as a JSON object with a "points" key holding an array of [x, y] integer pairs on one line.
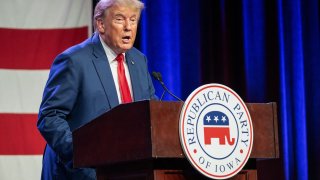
{"points": [[208, 118], [216, 119], [223, 118]]}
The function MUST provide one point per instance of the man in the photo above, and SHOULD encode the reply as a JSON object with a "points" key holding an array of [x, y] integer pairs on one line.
{"points": [[89, 79]]}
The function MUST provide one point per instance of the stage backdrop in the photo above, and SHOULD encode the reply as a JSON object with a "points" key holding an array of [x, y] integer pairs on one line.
{"points": [[266, 50], [32, 33]]}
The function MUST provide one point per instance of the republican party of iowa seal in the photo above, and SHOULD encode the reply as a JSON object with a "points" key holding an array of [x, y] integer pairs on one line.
{"points": [[216, 132]]}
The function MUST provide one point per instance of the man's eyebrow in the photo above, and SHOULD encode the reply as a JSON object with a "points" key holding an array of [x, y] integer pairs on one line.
{"points": [[119, 14], [122, 15]]}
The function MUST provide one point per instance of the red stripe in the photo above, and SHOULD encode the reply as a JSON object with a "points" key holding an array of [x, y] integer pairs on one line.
{"points": [[36, 49], [19, 135]]}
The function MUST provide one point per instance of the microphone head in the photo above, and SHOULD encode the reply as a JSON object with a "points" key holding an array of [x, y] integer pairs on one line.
{"points": [[157, 75], [154, 74], [160, 76]]}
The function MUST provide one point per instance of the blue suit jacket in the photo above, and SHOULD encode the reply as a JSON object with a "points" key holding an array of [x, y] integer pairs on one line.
{"points": [[80, 87]]}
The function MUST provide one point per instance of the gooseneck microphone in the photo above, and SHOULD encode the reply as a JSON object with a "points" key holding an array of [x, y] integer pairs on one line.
{"points": [[158, 76]]}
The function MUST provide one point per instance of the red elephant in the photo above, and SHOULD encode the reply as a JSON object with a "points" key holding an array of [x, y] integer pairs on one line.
{"points": [[216, 125], [217, 132]]}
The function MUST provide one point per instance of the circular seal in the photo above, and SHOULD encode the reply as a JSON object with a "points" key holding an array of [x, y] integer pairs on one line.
{"points": [[215, 130]]}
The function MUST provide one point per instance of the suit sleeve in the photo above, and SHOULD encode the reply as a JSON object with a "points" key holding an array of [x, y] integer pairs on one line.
{"points": [[58, 100]]}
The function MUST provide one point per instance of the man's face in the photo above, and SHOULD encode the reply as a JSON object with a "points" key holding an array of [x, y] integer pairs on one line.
{"points": [[119, 27]]}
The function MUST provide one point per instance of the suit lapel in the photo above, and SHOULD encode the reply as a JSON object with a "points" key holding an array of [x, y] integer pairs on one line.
{"points": [[134, 76], [103, 69]]}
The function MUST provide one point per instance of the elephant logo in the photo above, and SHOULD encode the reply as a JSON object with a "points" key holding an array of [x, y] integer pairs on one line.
{"points": [[216, 125]]}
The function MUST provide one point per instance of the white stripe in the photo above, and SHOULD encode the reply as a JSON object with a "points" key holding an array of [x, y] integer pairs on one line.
{"points": [[44, 14], [20, 167], [21, 90]]}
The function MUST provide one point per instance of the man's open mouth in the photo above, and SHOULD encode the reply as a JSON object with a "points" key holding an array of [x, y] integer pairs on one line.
{"points": [[126, 38]]}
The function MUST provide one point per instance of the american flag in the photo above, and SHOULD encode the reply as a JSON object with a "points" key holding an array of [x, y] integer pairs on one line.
{"points": [[32, 33]]}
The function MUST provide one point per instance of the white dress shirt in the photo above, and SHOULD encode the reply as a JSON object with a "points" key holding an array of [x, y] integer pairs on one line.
{"points": [[114, 65]]}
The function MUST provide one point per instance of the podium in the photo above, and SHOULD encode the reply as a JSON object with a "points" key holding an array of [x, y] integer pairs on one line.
{"points": [[140, 140]]}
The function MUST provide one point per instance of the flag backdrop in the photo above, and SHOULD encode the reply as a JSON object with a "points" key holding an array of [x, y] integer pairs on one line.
{"points": [[32, 33]]}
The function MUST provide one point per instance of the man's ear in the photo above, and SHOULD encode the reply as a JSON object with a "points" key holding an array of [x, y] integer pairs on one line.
{"points": [[100, 25]]}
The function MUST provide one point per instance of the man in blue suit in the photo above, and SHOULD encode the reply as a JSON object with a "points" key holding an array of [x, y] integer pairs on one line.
{"points": [[84, 82]]}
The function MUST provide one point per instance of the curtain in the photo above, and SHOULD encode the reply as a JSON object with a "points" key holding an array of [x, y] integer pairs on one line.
{"points": [[169, 36], [299, 67], [265, 50]]}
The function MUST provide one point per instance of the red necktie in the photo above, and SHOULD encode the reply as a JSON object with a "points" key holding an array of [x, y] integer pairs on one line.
{"points": [[123, 84]]}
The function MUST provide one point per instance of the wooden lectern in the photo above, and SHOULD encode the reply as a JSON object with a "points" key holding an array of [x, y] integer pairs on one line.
{"points": [[140, 140]]}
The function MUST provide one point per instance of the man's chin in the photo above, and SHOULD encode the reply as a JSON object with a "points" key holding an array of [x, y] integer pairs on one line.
{"points": [[125, 47]]}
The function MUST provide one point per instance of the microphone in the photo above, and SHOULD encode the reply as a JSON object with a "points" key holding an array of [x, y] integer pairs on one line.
{"points": [[158, 76]]}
